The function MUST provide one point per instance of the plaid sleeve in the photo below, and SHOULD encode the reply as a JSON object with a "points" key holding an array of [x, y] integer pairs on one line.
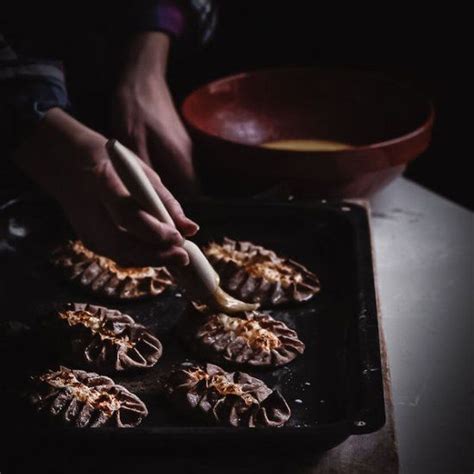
{"points": [[28, 89], [189, 19]]}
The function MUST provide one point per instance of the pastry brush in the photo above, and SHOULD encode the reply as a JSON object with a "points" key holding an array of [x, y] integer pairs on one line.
{"points": [[199, 278]]}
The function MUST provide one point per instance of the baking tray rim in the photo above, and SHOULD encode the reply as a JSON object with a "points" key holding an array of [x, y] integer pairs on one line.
{"points": [[371, 416]]}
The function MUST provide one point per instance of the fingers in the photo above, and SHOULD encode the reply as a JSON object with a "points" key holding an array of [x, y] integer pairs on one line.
{"points": [[93, 225], [174, 256], [122, 215], [138, 145], [185, 225], [126, 214], [127, 233], [133, 136], [127, 251], [136, 237], [176, 164]]}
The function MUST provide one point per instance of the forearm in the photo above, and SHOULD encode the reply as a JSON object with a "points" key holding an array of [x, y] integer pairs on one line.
{"points": [[145, 118], [59, 145], [147, 54]]}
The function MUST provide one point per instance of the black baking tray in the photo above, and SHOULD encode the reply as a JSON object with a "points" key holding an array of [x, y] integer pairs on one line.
{"points": [[334, 390]]}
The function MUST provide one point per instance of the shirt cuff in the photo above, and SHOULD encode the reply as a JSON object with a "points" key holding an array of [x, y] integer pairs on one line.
{"points": [[166, 15], [27, 92]]}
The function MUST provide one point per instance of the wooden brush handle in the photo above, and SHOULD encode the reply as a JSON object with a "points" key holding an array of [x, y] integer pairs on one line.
{"points": [[136, 181], [140, 188]]}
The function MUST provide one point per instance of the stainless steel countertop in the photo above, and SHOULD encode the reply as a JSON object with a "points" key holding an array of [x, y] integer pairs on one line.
{"points": [[424, 265]]}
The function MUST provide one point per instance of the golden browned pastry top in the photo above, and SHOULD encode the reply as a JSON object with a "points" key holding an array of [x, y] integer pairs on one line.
{"points": [[256, 261], [225, 398], [78, 248], [94, 396], [102, 338], [253, 273], [96, 323], [250, 329], [102, 275], [252, 338], [221, 384], [85, 399]]}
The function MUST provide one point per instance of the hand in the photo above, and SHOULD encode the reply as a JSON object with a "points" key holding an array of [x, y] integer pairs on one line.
{"points": [[70, 162], [145, 118]]}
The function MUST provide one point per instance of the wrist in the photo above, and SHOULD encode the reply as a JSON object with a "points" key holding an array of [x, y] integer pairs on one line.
{"points": [[147, 57], [59, 141], [63, 128]]}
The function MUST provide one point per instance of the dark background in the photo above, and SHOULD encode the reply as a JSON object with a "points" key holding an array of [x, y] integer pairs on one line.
{"points": [[410, 42], [407, 42]]}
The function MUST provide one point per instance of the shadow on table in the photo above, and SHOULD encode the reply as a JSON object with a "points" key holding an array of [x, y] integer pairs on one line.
{"points": [[180, 460]]}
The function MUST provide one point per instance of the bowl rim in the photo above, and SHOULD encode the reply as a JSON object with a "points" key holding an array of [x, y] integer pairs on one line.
{"points": [[425, 126]]}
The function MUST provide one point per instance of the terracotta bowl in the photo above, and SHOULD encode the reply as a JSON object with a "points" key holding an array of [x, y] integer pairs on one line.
{"points": [[387, 125]]}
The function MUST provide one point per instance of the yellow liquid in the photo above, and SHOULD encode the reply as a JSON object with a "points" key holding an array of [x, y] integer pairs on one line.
{"points": [[306, 145]]}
